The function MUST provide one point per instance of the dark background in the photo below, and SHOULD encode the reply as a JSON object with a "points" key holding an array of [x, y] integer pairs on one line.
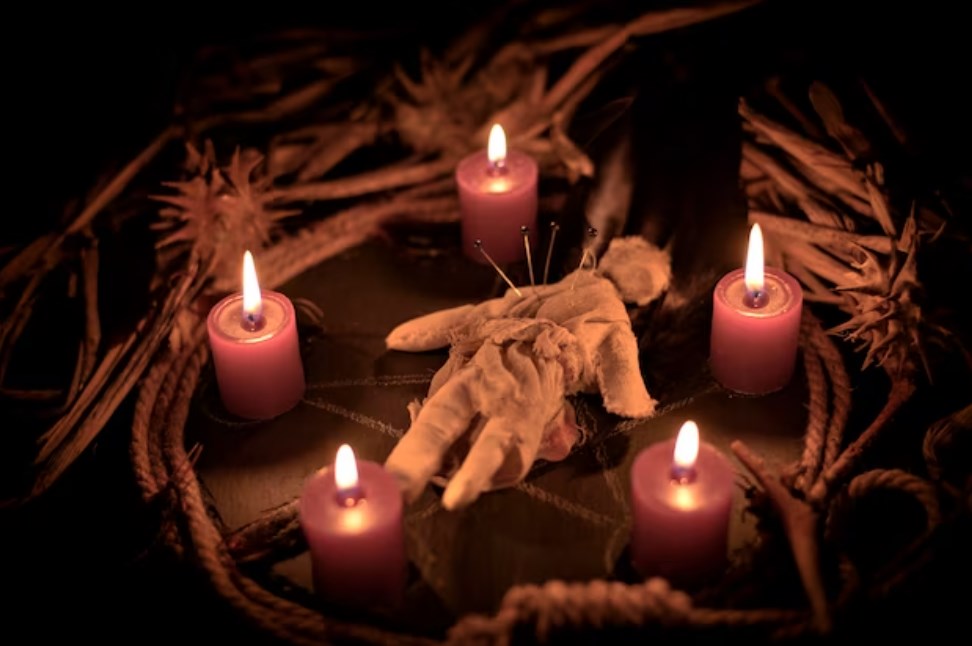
{"points": [[87, 94]]}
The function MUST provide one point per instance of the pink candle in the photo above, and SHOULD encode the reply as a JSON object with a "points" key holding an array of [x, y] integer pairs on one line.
{"points": [[352, 518], [755, 325], [253, 338], [681, 496], [497, 196]]}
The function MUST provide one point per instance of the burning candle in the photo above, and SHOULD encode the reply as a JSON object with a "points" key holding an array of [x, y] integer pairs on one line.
{"points": [[755, 325], [681, 496], [352, 518], [497, 196], [253, 338]]}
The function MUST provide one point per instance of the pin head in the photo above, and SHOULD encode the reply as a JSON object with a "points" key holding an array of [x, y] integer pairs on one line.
{"points": [[525, 230], [591, 232], [478, 244]]}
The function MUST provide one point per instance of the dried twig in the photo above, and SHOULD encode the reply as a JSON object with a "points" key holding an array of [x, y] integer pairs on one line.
{"points": [[821, 235], [800, 522], [901, 392]]}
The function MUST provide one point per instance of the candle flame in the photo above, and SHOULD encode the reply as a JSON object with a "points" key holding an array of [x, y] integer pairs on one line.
{"points": [[687, 445], [345, 469], [252, 300], [754, 260], [496, 149]]}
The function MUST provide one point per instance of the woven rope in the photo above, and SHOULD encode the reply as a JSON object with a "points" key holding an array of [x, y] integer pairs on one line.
{"points": [[897, 480], [817, 415], [845, 462], [939, 440], [840, 389], [826, 422], [148, 397], [161, 413], [910, 559], [557, 605], [162, 466]]}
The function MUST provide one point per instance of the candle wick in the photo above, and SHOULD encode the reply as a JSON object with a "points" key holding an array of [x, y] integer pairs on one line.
{"points": [[253, 321], [525, 231], [350, 497], [756, 298], [479, 246], [683, 475], [497, 167], [554, 228]]}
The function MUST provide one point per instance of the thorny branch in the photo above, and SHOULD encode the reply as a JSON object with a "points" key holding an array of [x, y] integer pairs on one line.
{"points": [[439, 116], [856, 248]]}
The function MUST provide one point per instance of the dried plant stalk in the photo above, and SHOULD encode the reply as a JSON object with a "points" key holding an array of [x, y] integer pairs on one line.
{"points": [[800, 522]]}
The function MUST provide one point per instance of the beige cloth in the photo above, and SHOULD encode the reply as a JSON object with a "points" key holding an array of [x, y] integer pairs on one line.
{"points": [[514, 360]]}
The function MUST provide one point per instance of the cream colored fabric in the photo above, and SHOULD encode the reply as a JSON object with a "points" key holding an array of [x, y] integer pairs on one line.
{"points": [[501, 396]]}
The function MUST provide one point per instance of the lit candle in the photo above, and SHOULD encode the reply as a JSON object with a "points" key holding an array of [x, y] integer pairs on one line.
{"points": [[497, 196], [681, 496], [253, 338], [755, 325], [352, 519]]}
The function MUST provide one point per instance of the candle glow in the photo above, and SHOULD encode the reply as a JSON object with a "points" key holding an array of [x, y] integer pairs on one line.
{"points": [[256, 352], [687, 446], [497, 189], [345, 469], [754, 278], [755, 325], [681, 497], [356, 542], [348, 492], [685, 454], [252, 299], [496, 148]]}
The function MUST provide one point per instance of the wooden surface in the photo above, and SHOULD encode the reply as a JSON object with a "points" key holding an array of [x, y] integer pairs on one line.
{"points": [[568, 520]]}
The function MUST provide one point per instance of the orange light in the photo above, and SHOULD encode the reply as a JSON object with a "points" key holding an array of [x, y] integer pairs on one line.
{"points": [[345, 469], [496, 148], [252, 299], [687, 446], [754, 261]]}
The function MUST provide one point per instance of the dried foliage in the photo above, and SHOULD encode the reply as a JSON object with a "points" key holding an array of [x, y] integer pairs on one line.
{"points": [[296, 82], [218, 213], [856, 249], [821, 197]]}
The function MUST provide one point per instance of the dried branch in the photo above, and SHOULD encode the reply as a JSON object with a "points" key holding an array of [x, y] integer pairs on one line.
{"points": [[365, 183], [122, 179], [297, 101], [92, 319], [341, 231], [901, 392], [275, 535], [652, 22], [800, 522], [822, 163], [818, 234], [65, 441], [892, 123]]}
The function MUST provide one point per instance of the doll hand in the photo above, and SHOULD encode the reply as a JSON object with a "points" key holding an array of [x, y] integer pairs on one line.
{"points": [[500, 393], [500, 401]]}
